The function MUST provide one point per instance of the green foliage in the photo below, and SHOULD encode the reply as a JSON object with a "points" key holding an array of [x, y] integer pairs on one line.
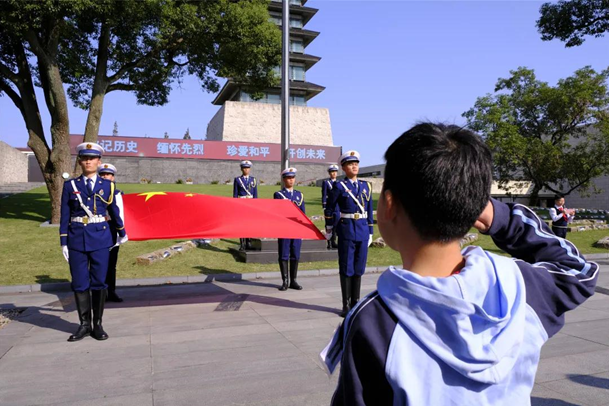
{"points": [[179, 182], [145, 46], [555, 136], [215, 182], [570, 21]]}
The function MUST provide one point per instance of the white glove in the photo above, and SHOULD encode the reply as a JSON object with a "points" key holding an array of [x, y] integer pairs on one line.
{"points": [[328, 233], [66, 253], [122, 240], [370, 240]]}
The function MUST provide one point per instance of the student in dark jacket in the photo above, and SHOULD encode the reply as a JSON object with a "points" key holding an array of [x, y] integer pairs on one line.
{"points": [[452, 326]]}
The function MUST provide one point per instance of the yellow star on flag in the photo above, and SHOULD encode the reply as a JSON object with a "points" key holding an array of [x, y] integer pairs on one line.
{"points": [[150, 194], [189, 195]]}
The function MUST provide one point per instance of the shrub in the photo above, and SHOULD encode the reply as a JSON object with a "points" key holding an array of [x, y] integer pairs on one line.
{"points": [[278, 183], [215, 182], [179, 181]]}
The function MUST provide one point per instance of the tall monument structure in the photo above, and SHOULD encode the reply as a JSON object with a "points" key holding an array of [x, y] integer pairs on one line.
{"points": [[242, 119]]}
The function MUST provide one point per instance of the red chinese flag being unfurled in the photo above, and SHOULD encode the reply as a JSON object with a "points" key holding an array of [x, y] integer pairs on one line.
{"points": [[165, 215]]}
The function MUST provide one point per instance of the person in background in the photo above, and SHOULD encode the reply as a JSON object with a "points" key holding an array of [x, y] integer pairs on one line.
{"points": [[561, 217], [245, 187], [289, 249], [351, 200], [326, 188], [108, 171], [86, 238]]}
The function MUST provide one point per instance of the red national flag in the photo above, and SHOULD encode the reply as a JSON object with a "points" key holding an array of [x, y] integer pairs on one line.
{"points": [[165, 215]]}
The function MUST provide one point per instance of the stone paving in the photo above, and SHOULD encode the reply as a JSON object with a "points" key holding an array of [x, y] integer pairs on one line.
{"points": [[236, 343]]}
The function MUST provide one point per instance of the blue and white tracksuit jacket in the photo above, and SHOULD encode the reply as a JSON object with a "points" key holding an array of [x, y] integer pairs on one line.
{"points": [[473, 338]]}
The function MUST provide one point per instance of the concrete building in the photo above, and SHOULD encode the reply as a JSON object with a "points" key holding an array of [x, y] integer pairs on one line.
{"points": [[241, 118], [515, 191]]}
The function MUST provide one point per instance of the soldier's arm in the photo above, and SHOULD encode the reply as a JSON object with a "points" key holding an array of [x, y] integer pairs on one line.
{"points": [[370, 210], [324, 191], [302, 205], [115, 213], [235, 188], [331, 204], [255, 191], [65, 214]]}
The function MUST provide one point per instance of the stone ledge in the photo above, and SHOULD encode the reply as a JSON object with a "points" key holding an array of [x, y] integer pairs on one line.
{"points": [[176, 280]]}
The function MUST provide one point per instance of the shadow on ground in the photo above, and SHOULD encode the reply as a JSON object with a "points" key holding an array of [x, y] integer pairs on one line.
{"points": [[26, 206], [209, 293], [40, 317], [550, 402], [590, 380]]}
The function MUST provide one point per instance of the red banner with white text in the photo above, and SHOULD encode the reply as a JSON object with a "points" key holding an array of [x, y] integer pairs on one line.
{"points": [[194, 149]]}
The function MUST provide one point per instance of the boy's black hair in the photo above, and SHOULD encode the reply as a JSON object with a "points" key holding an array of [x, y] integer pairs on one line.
{"points": [[558, 197], [441, 174]]}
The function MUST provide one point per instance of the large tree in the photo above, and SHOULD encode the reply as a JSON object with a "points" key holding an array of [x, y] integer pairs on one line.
{"points": [[571, 21], [557, 137], [89, 48]]}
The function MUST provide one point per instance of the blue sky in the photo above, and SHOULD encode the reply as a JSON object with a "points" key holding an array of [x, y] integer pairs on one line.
{"points": [[385, 65]]}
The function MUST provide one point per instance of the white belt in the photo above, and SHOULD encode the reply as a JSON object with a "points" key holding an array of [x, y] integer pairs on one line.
{"points": [[87, 220], [245, 197], [355, 216]]}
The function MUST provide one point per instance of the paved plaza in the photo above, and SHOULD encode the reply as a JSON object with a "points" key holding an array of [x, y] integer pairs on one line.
{"points": [[236, 343]]}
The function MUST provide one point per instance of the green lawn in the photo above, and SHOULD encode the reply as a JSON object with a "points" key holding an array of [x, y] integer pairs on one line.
{"points": [[31, 254]]}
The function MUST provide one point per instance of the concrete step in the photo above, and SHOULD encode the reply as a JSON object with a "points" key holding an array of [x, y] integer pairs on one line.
{"points": [[16, 188], [270, 245], [270, 257]]}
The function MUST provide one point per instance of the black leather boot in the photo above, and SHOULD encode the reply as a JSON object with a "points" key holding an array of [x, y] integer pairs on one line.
{"points": [[248, 244], [83, 307], [293, 273], [113, 297], [345, 290], [333, 243], [99, 300], [283, 268], [356, 285], [241, 244]]}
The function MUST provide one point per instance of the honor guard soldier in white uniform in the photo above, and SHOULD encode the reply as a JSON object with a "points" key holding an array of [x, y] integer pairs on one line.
{"points": [[289, 249], [108, 171], [352, 198], [245, 187], [326, 187], [86, 238]]}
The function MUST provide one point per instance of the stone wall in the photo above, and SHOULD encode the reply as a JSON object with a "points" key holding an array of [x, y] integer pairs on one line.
{"points": [[261, 122], [599, 201], [131, 170], [13, 165]]}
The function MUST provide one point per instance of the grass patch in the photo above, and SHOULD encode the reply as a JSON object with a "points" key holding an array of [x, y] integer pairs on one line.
{"points": [[31, 254]]}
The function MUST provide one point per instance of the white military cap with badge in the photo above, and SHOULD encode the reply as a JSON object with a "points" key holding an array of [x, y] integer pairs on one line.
{"points": [[289, 172], [89, 149], [107, 168], [349, 156]]}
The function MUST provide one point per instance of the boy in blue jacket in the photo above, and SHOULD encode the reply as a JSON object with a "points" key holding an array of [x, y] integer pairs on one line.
{"points": [[452, 326]]}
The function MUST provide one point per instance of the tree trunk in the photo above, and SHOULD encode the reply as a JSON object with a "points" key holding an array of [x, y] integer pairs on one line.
{"points": [[534, 197]]}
